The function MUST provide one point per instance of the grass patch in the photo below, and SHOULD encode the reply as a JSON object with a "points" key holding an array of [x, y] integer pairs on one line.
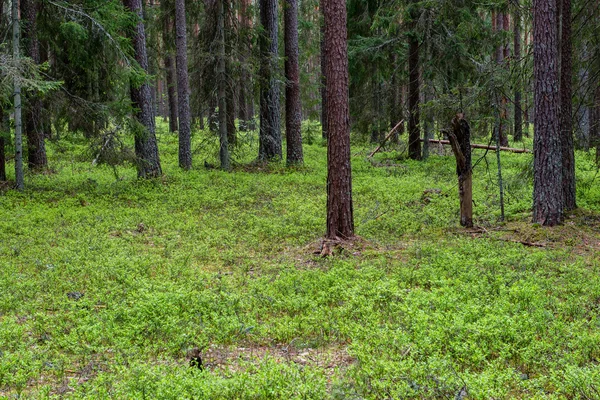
{"points": [[107, 283]]}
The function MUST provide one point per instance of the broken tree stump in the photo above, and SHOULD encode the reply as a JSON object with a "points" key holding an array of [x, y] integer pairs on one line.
{"points": [[460, 140]]}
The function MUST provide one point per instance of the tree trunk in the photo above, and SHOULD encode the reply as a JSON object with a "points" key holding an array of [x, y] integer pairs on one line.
{"points": [[414, 130], [222, 88], [340, 220], [547, 181], [518, 131], [4, 122], [171, 93], [566, 109], [395, 98], [460, 140], [245, 86], [500, 54], [146, 149], [270, 131], [183, 88], [19, 180], [323, 87], [36, 147], [293, 108], [3, 134]]}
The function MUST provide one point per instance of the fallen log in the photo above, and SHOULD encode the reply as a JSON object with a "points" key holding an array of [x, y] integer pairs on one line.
{"points": [[482, 146]]}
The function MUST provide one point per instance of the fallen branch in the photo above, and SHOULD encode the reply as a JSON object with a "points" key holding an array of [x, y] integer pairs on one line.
{"points": [[482, 146], [389, 135]]}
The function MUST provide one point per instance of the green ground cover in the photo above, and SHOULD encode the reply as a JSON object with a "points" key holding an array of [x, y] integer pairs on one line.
{"points": [[106, 284]]}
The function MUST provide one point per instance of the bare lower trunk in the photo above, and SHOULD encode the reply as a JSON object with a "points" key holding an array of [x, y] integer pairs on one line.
{"points": [[566, 118], [414, 130], [323, 81], [270, 131], [245, 87], [293, 109], [500, 58], [340, 221], [518, 116], [547, 181], [20, 182], [183, 91], [171, 93], [3, 134], [146, 149], [36, 147], [222, 83]]}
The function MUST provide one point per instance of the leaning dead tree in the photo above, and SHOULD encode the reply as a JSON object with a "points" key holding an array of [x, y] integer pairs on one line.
{"points": [[460, 140]]}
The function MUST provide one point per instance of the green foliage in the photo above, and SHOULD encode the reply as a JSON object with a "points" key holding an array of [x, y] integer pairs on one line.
{"points": [[106, 284]]}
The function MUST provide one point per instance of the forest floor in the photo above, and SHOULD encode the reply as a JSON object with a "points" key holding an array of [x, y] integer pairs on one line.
{"points": [[107, 282]]}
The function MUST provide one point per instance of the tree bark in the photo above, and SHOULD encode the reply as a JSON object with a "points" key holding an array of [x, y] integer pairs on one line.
{"points": [[500, 59], [3, 133], [293, 108], [414, 129], [460, 140], [323, 87], [171, 93], [183, 88], [19, 180], [270, 131], [340, 220], [246, 93], [566, 109], [547, 181], [36, 147], [146, 149], [4, 123], [518, 112], [395, 98], [222, 88]]}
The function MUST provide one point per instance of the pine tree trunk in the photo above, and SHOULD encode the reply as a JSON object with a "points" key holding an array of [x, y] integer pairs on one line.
{"points": [[340, 220], [414, 130], [19, 180], [547, 181], [36, 147], [566, 109], [293, 108], [171, 93], [323, 89], [146, 149], [222, 88], [270, 131], [229, 72], [245, 86], [4, 123], [3, 134], [395, 98], [518, 134], [183, 88], [500, 57]]}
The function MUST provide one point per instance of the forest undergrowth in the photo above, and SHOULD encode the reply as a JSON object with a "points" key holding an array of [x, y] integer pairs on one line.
{"points": [[108, 282]]}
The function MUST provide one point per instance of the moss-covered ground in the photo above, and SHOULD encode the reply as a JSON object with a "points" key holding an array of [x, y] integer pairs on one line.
{"points": [[107, 283]]}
